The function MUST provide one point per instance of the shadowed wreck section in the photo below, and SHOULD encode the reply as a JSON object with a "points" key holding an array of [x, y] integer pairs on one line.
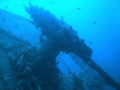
{"points": [[61, 37]]}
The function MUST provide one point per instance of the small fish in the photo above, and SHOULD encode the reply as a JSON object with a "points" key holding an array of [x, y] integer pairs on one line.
{"points": [[78, 8], [3, 20], [6, 6], [52, 2], [94, 22], [90, 42], [57, 62]]}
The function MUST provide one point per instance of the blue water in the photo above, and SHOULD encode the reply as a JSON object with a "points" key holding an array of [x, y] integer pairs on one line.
{"points": [[96, 21]]}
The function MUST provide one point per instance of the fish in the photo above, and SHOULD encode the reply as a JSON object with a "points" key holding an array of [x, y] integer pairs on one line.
{"points": [[90, 42], [3, 20], [57, 62], [94, 22], [52, 2], [78, 8], [6, 6]]}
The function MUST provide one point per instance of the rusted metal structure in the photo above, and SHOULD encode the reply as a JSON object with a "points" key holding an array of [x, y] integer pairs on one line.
{"points": [[32, 68], [64, 38]]}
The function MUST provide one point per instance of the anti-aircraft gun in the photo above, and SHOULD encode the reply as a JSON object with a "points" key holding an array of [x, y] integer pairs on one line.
{"points": [[26, 67], [61, 37]]}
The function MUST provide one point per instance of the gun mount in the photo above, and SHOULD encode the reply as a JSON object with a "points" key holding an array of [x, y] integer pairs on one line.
{"points": [[25, 67], [65, 39]]}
